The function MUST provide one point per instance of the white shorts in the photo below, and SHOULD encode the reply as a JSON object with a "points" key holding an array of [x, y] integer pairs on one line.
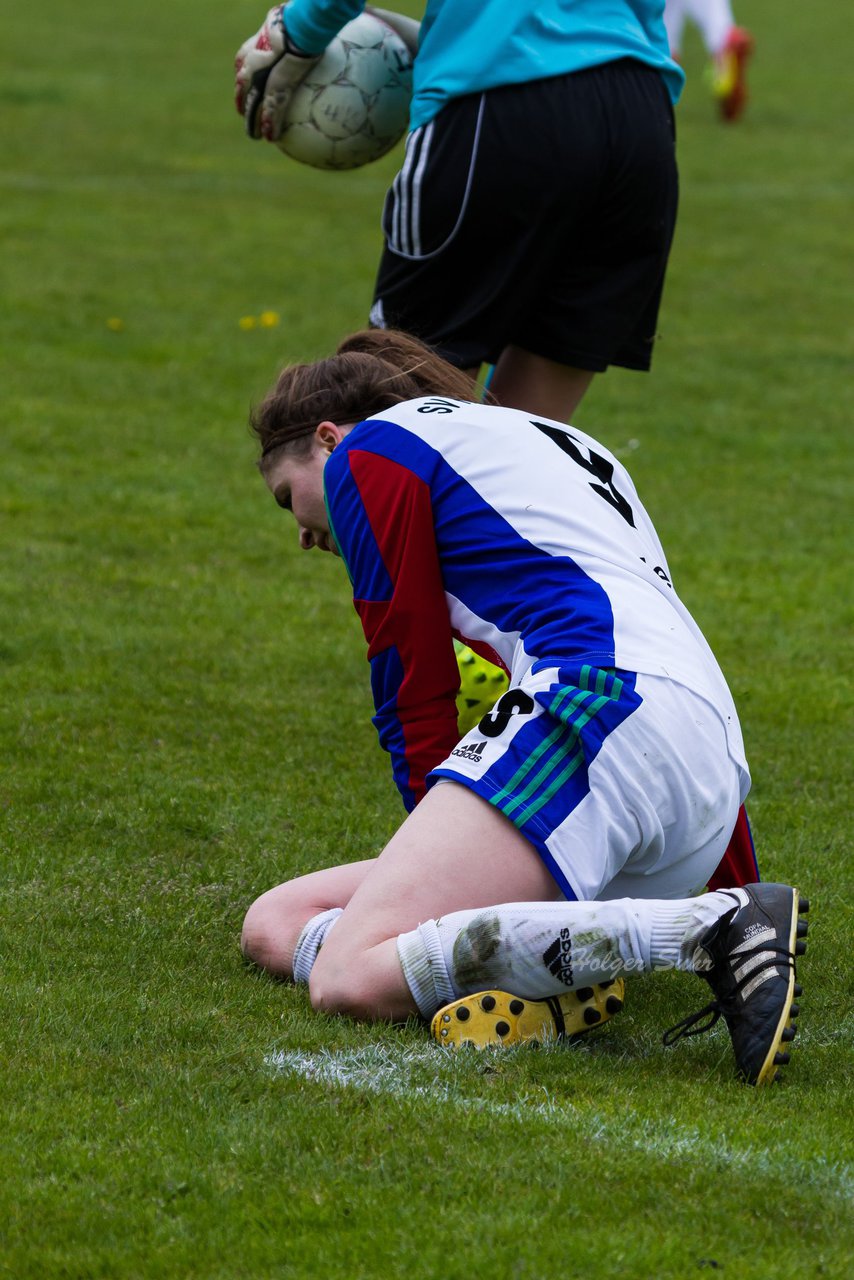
{"points": [[622, 782]]}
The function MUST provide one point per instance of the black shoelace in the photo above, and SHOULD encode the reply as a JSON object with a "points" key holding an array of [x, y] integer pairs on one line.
{"points": [[696, 1024]]}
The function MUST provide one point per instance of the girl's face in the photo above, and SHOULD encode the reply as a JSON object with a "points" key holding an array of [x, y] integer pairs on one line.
{"points": [[296, 482]]}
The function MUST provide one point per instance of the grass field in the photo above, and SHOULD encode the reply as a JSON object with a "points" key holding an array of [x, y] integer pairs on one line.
{"points": [[184, 706]]}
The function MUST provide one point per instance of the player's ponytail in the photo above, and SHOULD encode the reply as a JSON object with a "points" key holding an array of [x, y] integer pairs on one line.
{"points": [[423, 367], [371, 371]]}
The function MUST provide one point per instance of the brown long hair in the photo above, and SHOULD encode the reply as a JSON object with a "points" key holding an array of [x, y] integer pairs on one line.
{"points": [[371, 371]]}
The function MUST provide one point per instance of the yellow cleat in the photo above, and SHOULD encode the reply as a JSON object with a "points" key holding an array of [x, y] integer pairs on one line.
{"points": [[728, 73], [496, 1017]]}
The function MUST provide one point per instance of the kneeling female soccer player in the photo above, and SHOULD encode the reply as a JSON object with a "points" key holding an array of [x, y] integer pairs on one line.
{"points": [[565, 841]]}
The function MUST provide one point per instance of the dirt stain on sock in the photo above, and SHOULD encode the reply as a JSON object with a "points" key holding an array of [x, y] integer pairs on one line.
{"points": [[594, 948], [475, 946]]}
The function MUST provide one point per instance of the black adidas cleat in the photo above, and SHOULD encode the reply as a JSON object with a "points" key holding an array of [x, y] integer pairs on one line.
{"points": [[750, 955], [497, 1017]]}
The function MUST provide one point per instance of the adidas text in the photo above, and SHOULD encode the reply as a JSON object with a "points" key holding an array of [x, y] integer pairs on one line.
{"points": [[558, 958], [471, 751]]}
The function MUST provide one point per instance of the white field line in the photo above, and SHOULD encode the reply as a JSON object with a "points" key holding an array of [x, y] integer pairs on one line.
{"points": [[412, 1075]]}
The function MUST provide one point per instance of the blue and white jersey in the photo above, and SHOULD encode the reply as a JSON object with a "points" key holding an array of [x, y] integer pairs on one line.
{"points": [[467, 46], [523, 537]]}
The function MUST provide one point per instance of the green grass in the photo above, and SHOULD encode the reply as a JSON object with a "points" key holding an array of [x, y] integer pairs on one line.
{"points": [[184, 707]]}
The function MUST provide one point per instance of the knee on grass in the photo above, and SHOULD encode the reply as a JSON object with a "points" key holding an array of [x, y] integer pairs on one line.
{"points": [[263, 939], [340, 989]]}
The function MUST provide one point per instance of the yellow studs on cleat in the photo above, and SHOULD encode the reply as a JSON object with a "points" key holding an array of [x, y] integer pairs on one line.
{"points": [[496, 1017]]}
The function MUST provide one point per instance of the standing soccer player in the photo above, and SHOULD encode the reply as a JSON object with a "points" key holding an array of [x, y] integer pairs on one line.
{"points": [[531, 222], [729, 47], [563, 843]]}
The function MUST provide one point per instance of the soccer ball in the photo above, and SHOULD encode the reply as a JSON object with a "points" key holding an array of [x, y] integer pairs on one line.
{"points": [[481, 685], [353, 106]]}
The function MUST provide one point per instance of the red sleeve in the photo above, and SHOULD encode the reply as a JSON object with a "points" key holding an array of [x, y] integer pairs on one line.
{"points": [[382, 518]]}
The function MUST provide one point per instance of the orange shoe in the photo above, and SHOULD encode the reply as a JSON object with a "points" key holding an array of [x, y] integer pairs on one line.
{"points": [[729, 81]]}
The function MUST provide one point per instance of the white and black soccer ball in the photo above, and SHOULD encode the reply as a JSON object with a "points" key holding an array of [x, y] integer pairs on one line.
{"points": [[353, 106]]}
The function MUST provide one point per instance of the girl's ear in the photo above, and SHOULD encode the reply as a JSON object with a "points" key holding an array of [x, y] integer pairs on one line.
{"points": [[328, 435]]}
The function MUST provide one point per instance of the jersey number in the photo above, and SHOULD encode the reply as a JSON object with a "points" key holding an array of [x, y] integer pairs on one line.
{"points": [[512, 703], [598, 466]]}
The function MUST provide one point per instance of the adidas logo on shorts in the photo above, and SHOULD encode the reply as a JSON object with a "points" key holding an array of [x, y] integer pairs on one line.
{"points": [[558, 958], [470, 751]]}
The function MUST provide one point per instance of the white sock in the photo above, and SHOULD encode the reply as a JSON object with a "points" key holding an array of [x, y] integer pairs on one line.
{"points": [[423, 962], [539, 949], [311, 940], [676, 927], [715, 21]]}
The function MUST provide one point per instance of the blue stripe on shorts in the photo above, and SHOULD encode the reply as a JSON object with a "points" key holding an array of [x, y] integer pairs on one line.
{"points": [[542, 775]]}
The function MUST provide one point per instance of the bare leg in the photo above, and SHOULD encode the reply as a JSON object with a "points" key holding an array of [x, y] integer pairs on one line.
{"points": [[523, 380], [455, 851], [275, 921]]}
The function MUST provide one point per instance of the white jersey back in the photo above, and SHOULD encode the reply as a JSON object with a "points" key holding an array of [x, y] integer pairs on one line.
{"points": [[546, 551]]}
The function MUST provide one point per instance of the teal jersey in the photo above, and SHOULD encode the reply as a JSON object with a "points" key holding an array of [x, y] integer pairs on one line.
{"points": [[470, 45]]}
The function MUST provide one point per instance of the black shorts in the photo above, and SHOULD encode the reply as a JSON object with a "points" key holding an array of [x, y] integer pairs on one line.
{"points": [[538, 214]]}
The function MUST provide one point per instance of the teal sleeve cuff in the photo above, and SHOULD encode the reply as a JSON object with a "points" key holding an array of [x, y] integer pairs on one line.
{"points": [[312, 24]]}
